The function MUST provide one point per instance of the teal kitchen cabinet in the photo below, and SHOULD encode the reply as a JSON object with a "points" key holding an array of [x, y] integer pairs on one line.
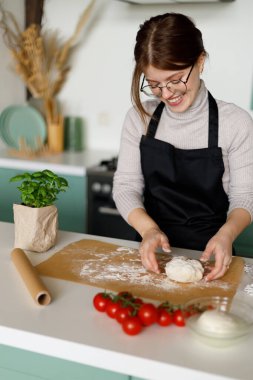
{"points": [[244, 243], [16, 364], [71, 205]]}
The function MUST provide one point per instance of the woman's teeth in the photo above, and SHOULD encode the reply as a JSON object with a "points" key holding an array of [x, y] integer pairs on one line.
{"points": [[174, 100]]}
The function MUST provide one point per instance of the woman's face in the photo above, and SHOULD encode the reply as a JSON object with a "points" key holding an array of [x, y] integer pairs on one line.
{"points": [[178, 98]]}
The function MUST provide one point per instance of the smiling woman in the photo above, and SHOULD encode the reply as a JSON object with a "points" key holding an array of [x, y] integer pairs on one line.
{"points": [[184, 175]]}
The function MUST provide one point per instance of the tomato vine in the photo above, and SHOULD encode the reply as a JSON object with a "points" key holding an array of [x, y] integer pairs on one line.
{"points": [[134, 314]]}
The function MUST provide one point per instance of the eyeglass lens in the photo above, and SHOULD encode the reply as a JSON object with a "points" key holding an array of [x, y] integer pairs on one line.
{"points": [[175, 87], [179, 87]]}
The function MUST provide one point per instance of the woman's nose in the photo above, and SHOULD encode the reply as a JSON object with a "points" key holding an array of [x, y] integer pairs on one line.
{"points": [[166, 93]]}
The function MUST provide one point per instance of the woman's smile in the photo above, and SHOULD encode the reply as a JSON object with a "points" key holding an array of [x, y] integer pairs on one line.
{"points": [[174, 101]]}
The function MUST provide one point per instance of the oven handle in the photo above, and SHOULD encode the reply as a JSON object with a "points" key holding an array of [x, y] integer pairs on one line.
{"points": [[108, 210]]}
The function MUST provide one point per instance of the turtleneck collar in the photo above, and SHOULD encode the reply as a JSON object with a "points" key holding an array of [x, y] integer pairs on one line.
{"points": [[198, 105]]}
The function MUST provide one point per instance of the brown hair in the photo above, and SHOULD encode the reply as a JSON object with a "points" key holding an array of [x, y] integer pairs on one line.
{"points": [[168, 42]]}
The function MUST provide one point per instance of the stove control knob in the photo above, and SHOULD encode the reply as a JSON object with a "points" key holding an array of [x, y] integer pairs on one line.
{"points": [[96, 187], [106, 188]]}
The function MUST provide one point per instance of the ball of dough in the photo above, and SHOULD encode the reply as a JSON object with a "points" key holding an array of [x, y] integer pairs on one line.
{"points": [[217, 322], [182, 269]]}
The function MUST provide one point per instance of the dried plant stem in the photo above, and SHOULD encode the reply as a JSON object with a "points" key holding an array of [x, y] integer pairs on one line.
{"points": [[41, 59]]}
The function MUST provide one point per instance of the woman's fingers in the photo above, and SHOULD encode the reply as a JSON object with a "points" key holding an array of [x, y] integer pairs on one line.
{"points": [[149, 262], [222, 262], [165, 244], [152, 240], [221, 248], [207, 252], [148, 257], [216, 272]]}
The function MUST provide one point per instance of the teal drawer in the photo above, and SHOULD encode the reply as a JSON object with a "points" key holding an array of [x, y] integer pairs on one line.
{"points": [[6, 374], [16, 364]]}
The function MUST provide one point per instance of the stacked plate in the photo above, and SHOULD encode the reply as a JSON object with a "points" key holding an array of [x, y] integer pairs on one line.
{"points": [[22, 126]]}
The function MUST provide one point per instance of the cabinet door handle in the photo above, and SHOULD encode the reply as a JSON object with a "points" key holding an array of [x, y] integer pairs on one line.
{"points": [[108, 211]]}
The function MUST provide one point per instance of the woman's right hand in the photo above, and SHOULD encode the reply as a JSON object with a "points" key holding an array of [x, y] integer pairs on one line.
{"points": [[152, 239]]}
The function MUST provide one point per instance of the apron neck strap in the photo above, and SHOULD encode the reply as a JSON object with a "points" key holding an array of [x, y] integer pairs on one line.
{"points": [[154, 121], [213, 121]]}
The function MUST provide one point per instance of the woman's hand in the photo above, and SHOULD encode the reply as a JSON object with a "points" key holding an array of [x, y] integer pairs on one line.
{"points": [[220, 245], [152, 239]]}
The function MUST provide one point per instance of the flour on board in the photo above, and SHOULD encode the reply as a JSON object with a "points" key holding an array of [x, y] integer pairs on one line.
{"points": [[111, 267], [248, 268]]}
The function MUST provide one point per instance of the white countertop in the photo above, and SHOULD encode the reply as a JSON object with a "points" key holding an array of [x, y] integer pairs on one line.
{"points": [[68, 163], [71, 329]]}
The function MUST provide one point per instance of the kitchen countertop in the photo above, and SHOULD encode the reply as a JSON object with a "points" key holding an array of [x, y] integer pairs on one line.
{"points": [[70, 328], [67, 162]]}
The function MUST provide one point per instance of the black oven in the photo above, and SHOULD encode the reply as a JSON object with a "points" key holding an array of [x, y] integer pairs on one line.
{"points": [[103, 216]]}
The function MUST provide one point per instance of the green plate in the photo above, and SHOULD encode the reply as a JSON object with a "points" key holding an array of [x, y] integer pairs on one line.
{"points": [[22, 123], [2, 122]]}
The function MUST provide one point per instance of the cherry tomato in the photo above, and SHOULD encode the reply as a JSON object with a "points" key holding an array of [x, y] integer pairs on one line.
{"points": [[188, 313], [138, 301], [112, 308], [123, 313], [147, 314], [164, 318], [100, 301], [126, 295], [191, 310], [178, 318], [132, 326]]}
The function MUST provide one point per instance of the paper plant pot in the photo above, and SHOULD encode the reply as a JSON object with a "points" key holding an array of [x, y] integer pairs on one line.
{"points": [[35, 228]]}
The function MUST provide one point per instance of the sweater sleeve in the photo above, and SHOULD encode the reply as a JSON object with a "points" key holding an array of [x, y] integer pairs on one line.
{"points": [[239, 141], [128, 182]]}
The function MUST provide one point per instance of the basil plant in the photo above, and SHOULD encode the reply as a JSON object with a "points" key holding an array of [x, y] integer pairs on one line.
{"points": [[40, 189]]}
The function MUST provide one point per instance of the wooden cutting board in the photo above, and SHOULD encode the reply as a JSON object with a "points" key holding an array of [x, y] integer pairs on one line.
{"points": [[117, 268]]}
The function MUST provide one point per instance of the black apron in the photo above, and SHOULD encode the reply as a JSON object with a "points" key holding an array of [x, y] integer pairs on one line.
{"points": [[183, 188]]}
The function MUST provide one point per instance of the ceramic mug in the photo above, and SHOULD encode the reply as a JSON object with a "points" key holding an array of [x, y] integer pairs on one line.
{"points": [[73, 133]]}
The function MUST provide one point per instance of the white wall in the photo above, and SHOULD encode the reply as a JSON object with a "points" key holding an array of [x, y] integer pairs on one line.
{"points": [[11, 87], [98, 87], [12, 90]]}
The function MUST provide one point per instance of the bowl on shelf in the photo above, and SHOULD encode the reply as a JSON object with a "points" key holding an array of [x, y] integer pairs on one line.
{"points": [[219, 321]]}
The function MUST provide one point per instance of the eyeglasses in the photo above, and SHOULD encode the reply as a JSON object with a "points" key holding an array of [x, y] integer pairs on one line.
{"points": [[177, 86]]}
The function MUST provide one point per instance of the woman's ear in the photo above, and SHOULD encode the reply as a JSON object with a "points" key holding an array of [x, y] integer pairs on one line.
{"points": [[201, 62]]}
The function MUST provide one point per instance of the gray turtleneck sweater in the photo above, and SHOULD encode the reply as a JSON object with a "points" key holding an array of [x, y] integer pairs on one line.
{"points": [[189, 130]]}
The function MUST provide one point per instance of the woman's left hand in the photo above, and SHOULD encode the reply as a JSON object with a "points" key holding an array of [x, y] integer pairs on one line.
{"points": [[220, 245]]}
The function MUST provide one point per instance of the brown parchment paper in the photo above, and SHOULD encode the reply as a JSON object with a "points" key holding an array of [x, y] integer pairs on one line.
{"points": [[117, 268], [29, 274]]}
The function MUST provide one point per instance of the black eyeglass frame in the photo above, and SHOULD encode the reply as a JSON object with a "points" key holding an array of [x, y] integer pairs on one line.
{"points": [[142, 89]]}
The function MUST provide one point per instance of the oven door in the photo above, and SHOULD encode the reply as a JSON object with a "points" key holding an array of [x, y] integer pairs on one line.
{"points": [[108, 222], [103, 216]]}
